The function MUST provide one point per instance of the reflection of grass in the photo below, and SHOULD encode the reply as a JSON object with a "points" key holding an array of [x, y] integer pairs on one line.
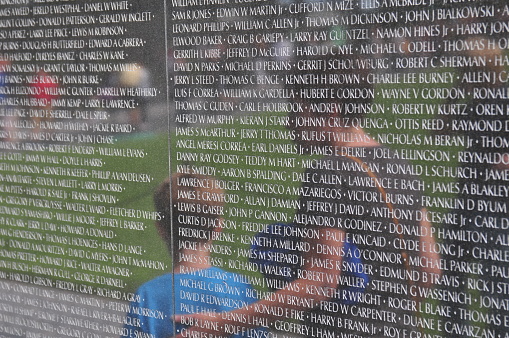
{"points": [[60, 230], [140, 197]]}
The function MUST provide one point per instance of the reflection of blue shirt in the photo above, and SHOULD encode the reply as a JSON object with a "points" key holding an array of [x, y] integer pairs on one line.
{"points": [[211, 289]]}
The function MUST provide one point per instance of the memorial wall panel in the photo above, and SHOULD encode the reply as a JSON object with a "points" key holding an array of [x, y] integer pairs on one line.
{"points": [[234, 168]]}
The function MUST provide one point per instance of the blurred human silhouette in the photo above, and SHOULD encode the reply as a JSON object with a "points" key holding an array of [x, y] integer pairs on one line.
{"points": [[187, 225]]}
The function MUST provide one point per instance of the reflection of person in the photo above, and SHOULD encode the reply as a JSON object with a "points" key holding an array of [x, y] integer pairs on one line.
{"points": [[197, 285], [363, 192]]}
